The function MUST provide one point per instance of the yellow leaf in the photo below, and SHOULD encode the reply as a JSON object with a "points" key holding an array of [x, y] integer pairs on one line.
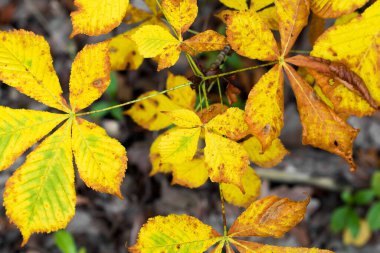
{"points": [[322, 128], [179, 145], [147, 113], [335, 8], [155, 157], [40, 195], [272, 156], [20, 129], [249, 247], [218, 248], [168, 58], [184, 118], [101, 160], [26, 64], [135, 15], [270, 216], [97, 17], [361, 239], [249, 36], [226, 159], [191, 174], [252, 186], [344, 100], [175, 233], [90, 75], [240, 5], [359, 50], [184, 97], [322, 96], [204, 42], [152, 40], [264, 110], [180, 13], [293, 16], [230, 124], [269, 16], [124, 54]]}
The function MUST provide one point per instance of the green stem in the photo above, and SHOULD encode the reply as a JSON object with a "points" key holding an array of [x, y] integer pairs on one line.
{"points": [[300, 51], [220, 91], [205, 94], [194, 66], [193, 32], [201, 99], [240, 70], [136, 100], [223, 211]]}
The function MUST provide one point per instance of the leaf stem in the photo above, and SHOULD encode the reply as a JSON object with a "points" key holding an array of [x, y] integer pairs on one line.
{"points": [[135, 100], [223, 211], [204, 78], [239, 70]]}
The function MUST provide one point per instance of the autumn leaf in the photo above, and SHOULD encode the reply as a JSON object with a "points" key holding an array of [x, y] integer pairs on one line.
{"points": [[191, 174], [270, 216], [252, 186], [182, 233], [175, 233], [236, 4], [358, 50], [322, 128], [155, 158], [153, 40], [95, 18], [335, 8], [264, 110], [40, 195], [271, 157], [249, 36]]}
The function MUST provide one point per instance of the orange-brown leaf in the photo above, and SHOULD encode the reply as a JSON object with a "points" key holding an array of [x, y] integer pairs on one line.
{"points": [[322, 128], [204, 42], [270, 216]]}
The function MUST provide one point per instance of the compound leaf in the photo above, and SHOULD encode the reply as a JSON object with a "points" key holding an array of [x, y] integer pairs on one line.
{"points": [[97, 17], [168, 58], [101, 160], [191, 174], [249, 36], [270, 216], [252, 185], [20, 129], [335, 8], [231, 124], [226, 159], [40, 195], [249, 247], [272, 156], [90, 75], [264, 110], [26, 64], [179, 145], [322, 128], [204, 42], [180, 13], [359, 50], [147, 113], [175, 233], [153, 40], [293, 17]]}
